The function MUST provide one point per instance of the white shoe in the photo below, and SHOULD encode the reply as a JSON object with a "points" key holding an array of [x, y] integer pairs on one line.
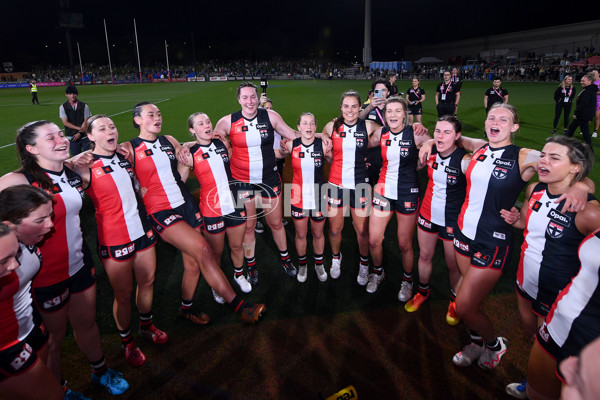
{"points": [[218, 297], [374, 281], [517, 390], [336, 267], [243, 283], [490, 358], [595, 134], [321, 274], [363, 275], [469, 354], [405, 293], [301, 273]]}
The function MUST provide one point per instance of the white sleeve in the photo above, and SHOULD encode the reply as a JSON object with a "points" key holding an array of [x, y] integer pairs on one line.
{"points": [[86, 112], [61, 112]]}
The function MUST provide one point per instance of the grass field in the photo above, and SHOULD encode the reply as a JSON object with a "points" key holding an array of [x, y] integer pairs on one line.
{"points": [[315, 337]]}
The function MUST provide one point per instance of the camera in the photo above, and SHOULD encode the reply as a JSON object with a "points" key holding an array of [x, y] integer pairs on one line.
{"points": [[264, 83]]}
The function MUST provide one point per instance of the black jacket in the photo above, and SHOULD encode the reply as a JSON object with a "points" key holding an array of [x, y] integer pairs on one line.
{"points": [[586, 103]]}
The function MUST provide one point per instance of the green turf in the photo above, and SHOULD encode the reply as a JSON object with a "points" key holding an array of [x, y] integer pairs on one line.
{"points": [[286, 300]]}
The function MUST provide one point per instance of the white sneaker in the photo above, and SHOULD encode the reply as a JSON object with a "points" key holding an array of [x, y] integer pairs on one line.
{"points": [[374, 281], [243, 283], [301, 273], [405, 293], [469, 354], [336, 267], [517, 390], [490, 358], [218, 297], [321, 274], [595, 134], [363, 275]]}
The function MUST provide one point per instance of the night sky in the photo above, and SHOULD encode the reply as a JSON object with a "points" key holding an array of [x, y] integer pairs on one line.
{"points": [[253, 30]]}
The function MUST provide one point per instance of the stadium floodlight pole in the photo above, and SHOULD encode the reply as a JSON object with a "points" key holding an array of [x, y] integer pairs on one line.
{"points": [[137, 48], [112, 81], [167, 53], [80, 64]]}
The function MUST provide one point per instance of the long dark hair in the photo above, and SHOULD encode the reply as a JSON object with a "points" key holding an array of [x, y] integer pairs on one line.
{"points": [[28, 135], [339, 121], [19, 201], [137, 112]]}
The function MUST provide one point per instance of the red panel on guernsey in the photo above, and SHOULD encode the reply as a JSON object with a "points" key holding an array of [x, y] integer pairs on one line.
{"points": [[55, 248], [240, 157], [298, 179], [109, 210], [9, 332], [335, 172]]}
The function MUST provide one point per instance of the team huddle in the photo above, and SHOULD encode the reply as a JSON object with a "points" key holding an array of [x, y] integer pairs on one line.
{"points": [[47, 274]]}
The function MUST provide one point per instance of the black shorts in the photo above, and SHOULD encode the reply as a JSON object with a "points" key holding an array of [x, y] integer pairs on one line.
{"points": [[356, 198], [408, 205], [415, 109], [216, 225], [315, 214], [52, 298], [446, 109], [20, 357], [269, 189], [443, 232], [187, 212], [481, 256], [126, 251]]}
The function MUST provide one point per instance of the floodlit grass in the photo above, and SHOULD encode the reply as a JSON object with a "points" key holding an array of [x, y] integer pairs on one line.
{"points": [[328, 312]]}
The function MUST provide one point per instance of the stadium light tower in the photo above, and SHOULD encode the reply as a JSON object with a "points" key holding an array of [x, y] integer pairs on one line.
{"points": [[367, 47]]}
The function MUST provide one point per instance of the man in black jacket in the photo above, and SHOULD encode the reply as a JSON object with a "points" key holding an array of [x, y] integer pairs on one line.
{"points": [[585, 109], [74, 115]]}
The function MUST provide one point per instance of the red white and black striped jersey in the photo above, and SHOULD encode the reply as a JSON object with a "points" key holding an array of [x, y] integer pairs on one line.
{"points": [[211, 167], [253, 158], [16, 310], [398, 175], [493, 184], [574, 320], [307, 166], [446, 188], [62, 247], [117, 209], [155, 166], [551, 241], [349, 167]]}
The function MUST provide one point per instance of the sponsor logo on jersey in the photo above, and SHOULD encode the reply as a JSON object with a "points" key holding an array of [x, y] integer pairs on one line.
{"points": [[124, 164], [74, 182], [543, 331], [301, 154], [388, 143], [335, 202], [217, 226], [414, 190], [451, 171], [410, 205], [56, 189], [434, 165], [56, 301], [98, 172], [244, 128], [147, 153], [342, 134], [558, 217], [20, 360], [535, 205], [405, 143], [499, 235], [205, 156], [481, 157], [458, 244], [508, 164], [480, 258], [125, 251], [450, 230], [360, 134], [555, 230], [500, 173], [262, 126], [172, 218], [297, 214]]}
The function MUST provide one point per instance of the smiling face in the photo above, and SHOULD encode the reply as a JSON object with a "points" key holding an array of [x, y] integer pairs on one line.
{"points": [[307, 127], [350, 109], [149, 120], [105, 135], [202, 128], [499, 126], [445, 137], [395, 115], [51, 146], [555, 166], [9, 249], [248, 99], [35, 226], [568, 80]]}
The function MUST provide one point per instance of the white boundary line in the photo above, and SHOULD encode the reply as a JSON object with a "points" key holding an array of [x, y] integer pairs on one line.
{"points": [[112, 115]]}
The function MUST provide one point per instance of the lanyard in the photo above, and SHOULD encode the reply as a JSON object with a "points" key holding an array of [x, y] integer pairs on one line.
{"points": [[380, 117], [498, 93]]}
